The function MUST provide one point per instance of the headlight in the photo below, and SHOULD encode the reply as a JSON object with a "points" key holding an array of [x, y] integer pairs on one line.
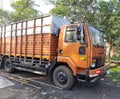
{"points": [[93, 65]]}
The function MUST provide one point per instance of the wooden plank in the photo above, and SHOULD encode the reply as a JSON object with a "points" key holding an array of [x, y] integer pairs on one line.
{"points": [[4, 40], [1, 40], [10, 40], [50, 44], [15, 40], [33, 45], [21, 39], [25, 41], [41, 37]]}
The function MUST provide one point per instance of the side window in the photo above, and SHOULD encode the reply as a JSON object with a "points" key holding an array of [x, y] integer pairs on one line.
{"points": [[70, 35]]}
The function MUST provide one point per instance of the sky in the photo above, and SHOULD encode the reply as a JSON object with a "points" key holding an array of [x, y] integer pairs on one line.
{"points": [[44, 8]]}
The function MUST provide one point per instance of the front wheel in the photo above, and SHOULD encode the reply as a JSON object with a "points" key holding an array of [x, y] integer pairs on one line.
{"points": [[8, 66], [63, 77]]}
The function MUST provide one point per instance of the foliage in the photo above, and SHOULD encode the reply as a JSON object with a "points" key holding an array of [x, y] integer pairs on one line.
{"points": [[4, 17], [75, 9], [115, 58], [109, 20], [23, 10], [115, 73]]}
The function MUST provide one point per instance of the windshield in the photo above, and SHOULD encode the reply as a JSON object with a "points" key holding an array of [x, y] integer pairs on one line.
{"points": [[96, 36]]}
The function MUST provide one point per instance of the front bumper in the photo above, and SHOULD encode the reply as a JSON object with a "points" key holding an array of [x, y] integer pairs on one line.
{"points": [[91, 75]]}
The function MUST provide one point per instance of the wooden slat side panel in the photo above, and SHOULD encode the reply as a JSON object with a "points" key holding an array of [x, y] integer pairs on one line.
{"points": [[2, 48], [22, 45], [47, 50], [45, 44], [4, 40], [54, 45], [7, 45], [13, 45], [10, 45], [18, 39], [0, 40], [0, 45], [29, 44]]}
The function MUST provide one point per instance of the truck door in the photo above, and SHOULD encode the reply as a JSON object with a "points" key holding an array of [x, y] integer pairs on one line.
{"points": [[70, 47]]}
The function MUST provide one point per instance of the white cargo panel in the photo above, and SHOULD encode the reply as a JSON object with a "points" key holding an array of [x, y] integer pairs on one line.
{"points": [[45, 24]]}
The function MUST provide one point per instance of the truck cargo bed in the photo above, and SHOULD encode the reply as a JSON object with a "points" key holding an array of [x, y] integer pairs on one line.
{"points": [[34, 38], [43, 46]]}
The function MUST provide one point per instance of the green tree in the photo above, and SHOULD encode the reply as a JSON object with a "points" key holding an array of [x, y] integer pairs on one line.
{"points": [[4, 16], [75, 10], [24, 9], [109, 19]]}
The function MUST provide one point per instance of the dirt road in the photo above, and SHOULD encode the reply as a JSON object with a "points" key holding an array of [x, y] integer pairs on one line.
{"points": [[102, 90]]}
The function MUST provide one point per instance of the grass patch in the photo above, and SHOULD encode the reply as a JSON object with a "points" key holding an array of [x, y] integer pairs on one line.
{"points": [[115, 73]]}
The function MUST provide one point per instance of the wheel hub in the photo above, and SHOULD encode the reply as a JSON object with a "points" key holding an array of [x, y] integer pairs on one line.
{"points": [[62, 77]]}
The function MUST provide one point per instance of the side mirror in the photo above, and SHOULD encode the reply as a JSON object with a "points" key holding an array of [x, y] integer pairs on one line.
{"points": [[80, 34], [78, 30]]}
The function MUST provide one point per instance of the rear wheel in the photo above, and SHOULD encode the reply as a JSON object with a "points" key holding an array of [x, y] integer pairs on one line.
{"points": [[8, 66], [63, 77], [3, 62]]}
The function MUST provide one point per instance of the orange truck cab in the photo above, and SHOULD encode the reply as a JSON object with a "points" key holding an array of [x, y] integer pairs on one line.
{"points": [[81, 48], [51, 46]]}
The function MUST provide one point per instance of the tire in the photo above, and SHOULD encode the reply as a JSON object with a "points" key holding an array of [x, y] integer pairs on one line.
{"points": [[3, 62], [8, 66], [63, 77]]}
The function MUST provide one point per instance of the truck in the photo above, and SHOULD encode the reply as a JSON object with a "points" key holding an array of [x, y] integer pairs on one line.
{"points": [[52, 46]]}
